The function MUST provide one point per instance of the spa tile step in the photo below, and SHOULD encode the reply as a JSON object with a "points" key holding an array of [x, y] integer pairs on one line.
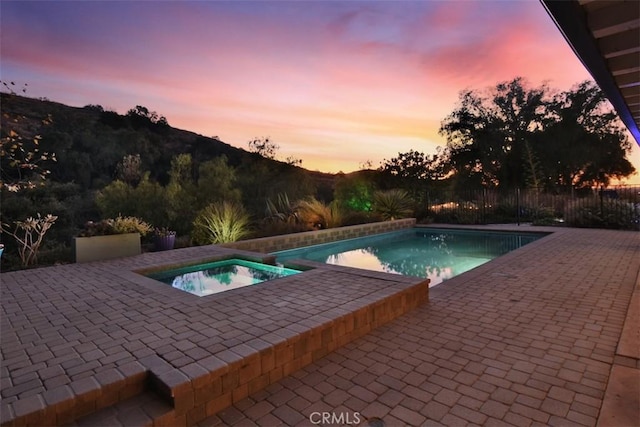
{"points": [[144, 410]]}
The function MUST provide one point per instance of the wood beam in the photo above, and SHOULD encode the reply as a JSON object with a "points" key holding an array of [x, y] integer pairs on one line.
{"points": [[616, 18], [624, 64], [620, 43]]}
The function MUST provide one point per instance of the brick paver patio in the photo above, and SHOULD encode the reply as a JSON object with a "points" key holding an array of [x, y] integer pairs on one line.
{"points": [[82, 338], [528, 339]]}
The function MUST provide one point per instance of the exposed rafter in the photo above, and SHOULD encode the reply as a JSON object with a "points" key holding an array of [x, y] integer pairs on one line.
{"points": [[605, 35]]}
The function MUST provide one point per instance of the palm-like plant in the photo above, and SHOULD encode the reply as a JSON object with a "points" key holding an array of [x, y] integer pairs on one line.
{"points": [[221, 223], [392, 204], [318, 215], [282, 210]]}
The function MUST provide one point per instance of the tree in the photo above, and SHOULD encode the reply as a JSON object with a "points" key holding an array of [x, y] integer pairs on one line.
{"points": [[22, 168], [293, 161], [181, 194], [129, 169], [513, 136], [216, 182], [413, 172], [264, 147], [147, 200], [584, 143], [22, 163], [487, 131], [268, 149], [29, 235], [141, 117]]}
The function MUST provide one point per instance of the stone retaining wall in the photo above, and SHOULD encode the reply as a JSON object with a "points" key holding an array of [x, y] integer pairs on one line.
{"points": [[308, 238]]}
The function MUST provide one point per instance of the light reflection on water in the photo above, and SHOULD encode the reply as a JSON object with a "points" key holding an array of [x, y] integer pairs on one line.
{"points": [[212, 281], [428, 253], [220, 276]]}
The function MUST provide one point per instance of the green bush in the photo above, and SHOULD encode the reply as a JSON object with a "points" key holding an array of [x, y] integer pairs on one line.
{"points": [[606, 213], [543, 215], [220, 223], [131, 224], [119, 225], [66, 201], [354, 192], [148, 200]]}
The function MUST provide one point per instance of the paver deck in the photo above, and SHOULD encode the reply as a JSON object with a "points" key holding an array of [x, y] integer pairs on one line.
{"points": [[527, 339], [83, 337]]}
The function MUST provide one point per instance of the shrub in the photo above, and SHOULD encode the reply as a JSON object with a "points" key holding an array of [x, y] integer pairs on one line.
{"points": [[543, 215], [220, 223], [147, 200], [354, 192], [131, 224], [456, 213], [317, 215], [119, 225], [29, 235], [55, 254], [596, 213], [282, 210], [392, 204]]}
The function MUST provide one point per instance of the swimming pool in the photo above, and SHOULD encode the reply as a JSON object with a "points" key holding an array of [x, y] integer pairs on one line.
{"points": [[436, 254], [219, 276]]}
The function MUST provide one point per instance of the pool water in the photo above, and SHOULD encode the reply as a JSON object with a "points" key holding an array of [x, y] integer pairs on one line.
{"points": [[436, 254], [220, 276]]}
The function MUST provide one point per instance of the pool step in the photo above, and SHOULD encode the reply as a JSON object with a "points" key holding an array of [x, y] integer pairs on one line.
{"points": [[143, 410], [67, 403]]}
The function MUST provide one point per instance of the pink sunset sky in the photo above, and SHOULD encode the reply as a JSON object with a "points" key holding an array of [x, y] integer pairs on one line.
{"points": [[334, 83]]}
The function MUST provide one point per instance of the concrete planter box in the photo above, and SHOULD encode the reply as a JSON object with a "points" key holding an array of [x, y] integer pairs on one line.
{"points": [[98, 248]]}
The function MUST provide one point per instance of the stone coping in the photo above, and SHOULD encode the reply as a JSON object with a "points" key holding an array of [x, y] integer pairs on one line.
{"points": [[309, 238]]}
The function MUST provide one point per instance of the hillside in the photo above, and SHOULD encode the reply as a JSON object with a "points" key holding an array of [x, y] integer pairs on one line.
{"points": [[89, 142]]}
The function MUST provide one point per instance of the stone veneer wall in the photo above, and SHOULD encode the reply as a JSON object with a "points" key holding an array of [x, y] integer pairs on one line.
{"points": [[308, 238], [214, 385]]}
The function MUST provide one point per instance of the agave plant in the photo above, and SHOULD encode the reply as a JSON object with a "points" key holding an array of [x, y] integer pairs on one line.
{"points": [[221, 223], [392, 204], [318, 215], [282, 210]]}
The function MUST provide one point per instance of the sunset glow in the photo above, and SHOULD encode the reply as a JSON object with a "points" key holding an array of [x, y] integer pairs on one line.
{"points": [[335, 83]]}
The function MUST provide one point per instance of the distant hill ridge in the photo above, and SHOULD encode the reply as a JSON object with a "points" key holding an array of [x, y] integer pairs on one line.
{"points": [[89, 141]]}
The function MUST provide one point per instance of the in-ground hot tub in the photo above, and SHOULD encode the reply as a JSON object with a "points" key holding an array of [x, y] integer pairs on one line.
{"points": [[219, 276]]}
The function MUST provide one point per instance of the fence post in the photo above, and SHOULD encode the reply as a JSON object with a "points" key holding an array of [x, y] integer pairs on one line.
{"points": [[518, 206], [484, 205], [601, 202]]}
